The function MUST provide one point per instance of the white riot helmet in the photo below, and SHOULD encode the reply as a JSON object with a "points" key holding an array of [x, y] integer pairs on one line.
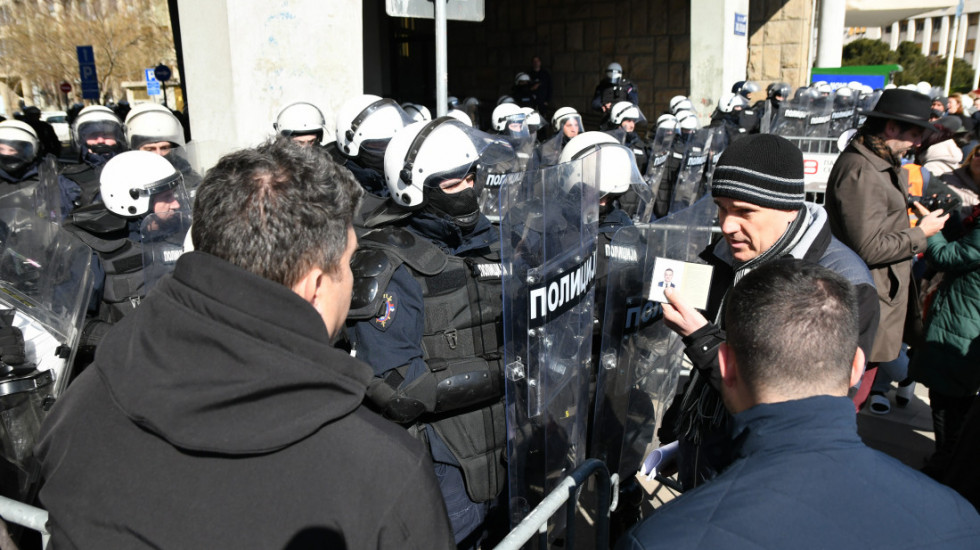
{"points": [[152, 123], [370, 121], [301, 119], [23, 139], [418, 113], [461, 116], [680, 103], [731, 102], [426, 153], [615, 164], [97, 121], [504, 114], [623, 110], [533, 119], [667, 120], [558, 119], [134, 182], [687, 121], [522, 79], [614, 72]]}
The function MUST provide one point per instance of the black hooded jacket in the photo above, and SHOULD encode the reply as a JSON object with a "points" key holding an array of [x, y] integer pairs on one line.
{"points": [[218, 415]]}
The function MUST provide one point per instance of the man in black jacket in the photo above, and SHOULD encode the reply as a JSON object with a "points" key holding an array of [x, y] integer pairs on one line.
{"points": [[219, 414], [758, 188]]}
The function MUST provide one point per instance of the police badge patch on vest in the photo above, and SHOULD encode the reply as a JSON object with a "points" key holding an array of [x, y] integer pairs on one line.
{"points": [[388, 309]]}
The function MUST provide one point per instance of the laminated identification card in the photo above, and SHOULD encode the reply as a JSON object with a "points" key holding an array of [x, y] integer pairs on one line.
{"points": [[690, 280]]}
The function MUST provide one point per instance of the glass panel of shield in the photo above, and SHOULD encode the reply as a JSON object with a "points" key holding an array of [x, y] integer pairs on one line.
{"points": [[162, 236], [691, 183], [659, 152], [46, 277], [640, 358], [548, 233], [42, 197]]}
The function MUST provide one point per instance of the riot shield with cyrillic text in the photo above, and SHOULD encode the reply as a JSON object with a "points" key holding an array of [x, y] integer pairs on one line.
{"points": [[640, 358], [548, 230], [691, 184], [659, 152], [162, 236]]}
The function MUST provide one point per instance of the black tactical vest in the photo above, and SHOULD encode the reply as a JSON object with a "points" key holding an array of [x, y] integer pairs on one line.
{"points": [[462, 345]]}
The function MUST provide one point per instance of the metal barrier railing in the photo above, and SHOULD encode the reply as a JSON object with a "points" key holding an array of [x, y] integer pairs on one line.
{"points": [[566, 494], [16, 512]]}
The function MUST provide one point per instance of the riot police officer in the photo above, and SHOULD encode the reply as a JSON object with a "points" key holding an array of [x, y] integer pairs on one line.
{"points": [[20, 163], [365, 125], [510, 121], [99, 135], [567, 123], [427, 313], [142, 194], [624, 116], [154, 128]]}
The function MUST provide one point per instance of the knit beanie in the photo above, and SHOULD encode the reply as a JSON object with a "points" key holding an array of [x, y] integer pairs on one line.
{"points": [[762, 169]]}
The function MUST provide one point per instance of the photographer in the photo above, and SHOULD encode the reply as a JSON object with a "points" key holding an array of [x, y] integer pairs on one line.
{"points": [[867, 196]]}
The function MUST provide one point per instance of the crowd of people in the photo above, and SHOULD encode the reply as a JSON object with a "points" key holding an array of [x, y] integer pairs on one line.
{"points": [[319, 358]]}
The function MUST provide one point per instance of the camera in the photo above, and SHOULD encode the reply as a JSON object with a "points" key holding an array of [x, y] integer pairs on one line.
{"points": [[945, 202]]}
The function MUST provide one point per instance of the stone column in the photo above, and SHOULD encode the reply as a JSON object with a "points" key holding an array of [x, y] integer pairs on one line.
{"points": [[895, 36], [961, 36], [944, 35], [719, 49], [830, 35], [260, 57], [910, 31], [926, 35]]}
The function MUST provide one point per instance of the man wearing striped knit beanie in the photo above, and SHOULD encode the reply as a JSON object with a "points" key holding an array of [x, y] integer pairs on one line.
{"points": [[763, 215]]}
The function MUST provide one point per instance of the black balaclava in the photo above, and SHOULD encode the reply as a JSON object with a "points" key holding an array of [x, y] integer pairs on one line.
{"points": [[462, 208]]}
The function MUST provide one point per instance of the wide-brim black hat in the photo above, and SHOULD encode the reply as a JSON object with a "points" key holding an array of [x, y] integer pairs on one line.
{"points": [[904, 106]]}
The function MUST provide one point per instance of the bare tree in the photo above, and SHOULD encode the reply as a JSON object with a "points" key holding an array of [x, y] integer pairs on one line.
{"points": [[38, 40]]}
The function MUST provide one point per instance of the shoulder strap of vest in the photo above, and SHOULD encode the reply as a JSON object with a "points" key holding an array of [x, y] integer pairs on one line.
{"points": [[420, 254], [98, 228], [380, 253]]}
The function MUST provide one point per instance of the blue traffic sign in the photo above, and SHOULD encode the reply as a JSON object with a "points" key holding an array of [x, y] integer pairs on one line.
{"points": [[152, 84], [162, 72], [86, 70]]}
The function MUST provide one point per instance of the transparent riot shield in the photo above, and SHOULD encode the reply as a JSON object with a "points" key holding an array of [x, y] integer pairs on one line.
{"points": [[499, 165], [659, 152], [640, 358], [818, 127], [548, 229], [162, 236], [690, 184], [716, 146], [549, 151], [844, 114], [791, 121], [45, 285], [42, 197]]}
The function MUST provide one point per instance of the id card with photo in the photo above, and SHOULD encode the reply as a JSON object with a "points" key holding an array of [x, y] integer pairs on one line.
{"points": [[690, 280]]}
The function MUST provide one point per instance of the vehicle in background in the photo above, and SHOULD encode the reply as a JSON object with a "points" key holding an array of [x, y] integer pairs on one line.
{"points": [[59, 121]]}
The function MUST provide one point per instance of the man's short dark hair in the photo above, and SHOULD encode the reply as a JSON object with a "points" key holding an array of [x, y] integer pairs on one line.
{"points": [[277, 210], [793, 325]]}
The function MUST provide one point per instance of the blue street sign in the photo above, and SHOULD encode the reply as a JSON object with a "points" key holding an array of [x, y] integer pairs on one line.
{"points": [[152, 84], [86, 69], [741, 24]]}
